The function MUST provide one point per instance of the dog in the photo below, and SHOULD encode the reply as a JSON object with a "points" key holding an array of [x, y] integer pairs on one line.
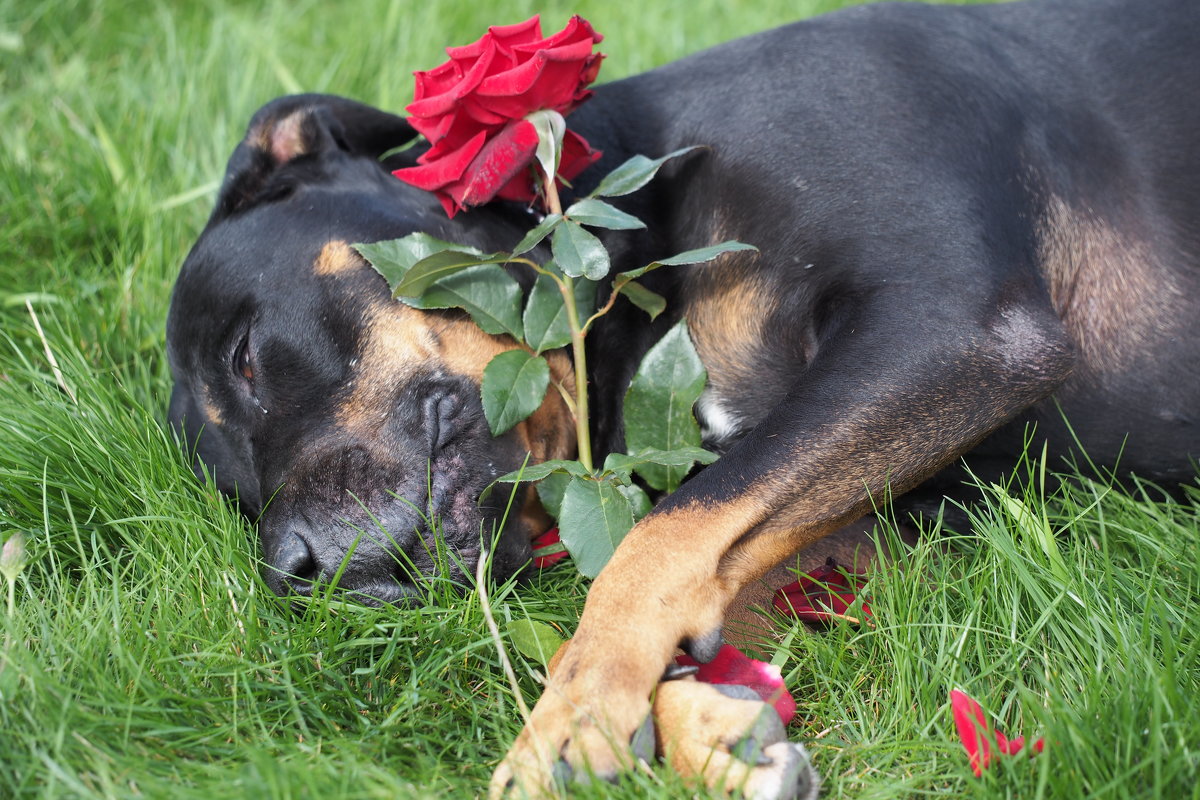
{"points": [[970, 221]]}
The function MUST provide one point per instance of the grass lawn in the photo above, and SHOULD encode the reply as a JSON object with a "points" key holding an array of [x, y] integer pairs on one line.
{"points": [[142, 654]]}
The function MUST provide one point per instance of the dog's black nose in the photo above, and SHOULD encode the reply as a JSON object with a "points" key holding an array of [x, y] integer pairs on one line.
{"points": [[302, 557], [291, 568]]}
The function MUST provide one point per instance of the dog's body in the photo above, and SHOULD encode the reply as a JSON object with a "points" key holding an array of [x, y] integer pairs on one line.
{"points": [[969, 219]]}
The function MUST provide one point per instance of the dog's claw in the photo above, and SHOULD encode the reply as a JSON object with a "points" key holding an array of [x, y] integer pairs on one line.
{"points": [[704, 648], [643, 739], [766, 730], [675, 671], [561, 773]]}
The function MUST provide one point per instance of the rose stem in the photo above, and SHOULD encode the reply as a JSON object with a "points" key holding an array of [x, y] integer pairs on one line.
{"points": [[583, 435]]}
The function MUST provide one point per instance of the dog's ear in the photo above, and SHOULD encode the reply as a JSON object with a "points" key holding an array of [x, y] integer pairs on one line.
{"points": [[304, 126]]}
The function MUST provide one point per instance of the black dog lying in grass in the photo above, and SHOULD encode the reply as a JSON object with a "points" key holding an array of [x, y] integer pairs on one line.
{"points": [[969, 220]]}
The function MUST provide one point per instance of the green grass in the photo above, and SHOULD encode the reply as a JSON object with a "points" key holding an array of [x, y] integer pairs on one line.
{"points": [[144, 656]]}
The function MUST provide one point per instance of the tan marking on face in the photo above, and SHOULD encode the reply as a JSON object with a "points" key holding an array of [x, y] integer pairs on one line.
{"points": [[336, 258], [402, 343], [397, 345], [1110, 288], [212, 412]]}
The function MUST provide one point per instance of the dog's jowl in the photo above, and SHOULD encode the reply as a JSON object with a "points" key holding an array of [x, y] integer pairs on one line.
{"points": [[968, 220]]}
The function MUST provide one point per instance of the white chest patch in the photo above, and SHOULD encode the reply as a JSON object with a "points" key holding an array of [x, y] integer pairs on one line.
{"points": [[719, 427]]}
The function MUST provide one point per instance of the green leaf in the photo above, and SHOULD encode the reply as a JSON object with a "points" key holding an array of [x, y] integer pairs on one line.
{"points": [[690, 257], [599, 214], [440, 265], [491, 296], [395, 257], [658, 405], [577, 252], [595, 518], [652, 303], [706, 253], [639, 501], [534, 640], [514, 386], [546, 322], [634, 174], [537, 472], [541, 231], [621, 464], [550, 491]]}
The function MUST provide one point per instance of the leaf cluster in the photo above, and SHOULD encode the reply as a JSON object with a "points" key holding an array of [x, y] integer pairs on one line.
{"points": [[595, 507]]}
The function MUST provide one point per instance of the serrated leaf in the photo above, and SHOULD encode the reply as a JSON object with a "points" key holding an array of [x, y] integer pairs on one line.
{"points": [[547, 325], [706, 253], [599, 214], [579, 253], [620, 463], [550, 491], [395, 257], [534, 640], [658, 405], [594, 518], [441, 265], [639, 501], [491, 296], [697, 256], [652, 303], [537, 472], [535, 236], [634, 174], [514, 386]]}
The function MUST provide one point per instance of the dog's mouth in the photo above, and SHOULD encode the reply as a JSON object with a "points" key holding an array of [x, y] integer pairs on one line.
{"points": [[393, 546]]}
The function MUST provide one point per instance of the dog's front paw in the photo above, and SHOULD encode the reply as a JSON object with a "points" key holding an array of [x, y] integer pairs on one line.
{"points": [[574, 738], [733, 741]]}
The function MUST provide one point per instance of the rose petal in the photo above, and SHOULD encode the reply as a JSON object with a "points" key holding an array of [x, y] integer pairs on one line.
{"points": [[577, 155], [822, 596], [435, 174], [977, 737], [1010, 747], [545, 541], [508, 154], [444, 102], [732, 666], [972, 730]]}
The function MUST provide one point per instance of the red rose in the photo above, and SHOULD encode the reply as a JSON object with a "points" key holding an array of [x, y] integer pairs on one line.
{"points": [[472, 110]]}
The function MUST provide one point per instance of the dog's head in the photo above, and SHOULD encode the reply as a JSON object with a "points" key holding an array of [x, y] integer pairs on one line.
{"points": [[347, 423]]}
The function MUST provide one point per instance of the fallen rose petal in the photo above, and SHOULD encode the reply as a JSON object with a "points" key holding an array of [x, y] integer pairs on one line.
{"points": [[977, 737], [732, 666], [822, 596], [552, 547], [973, 730]]}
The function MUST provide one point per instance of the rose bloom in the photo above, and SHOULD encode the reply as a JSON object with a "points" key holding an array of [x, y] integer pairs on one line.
{"points": [[472, 110]]}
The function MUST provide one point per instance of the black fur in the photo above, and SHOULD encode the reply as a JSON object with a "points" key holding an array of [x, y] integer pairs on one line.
{"points": [[902, 169]]}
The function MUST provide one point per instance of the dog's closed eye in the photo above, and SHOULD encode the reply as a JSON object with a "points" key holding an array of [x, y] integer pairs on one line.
{"points": [[242, 363]]}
